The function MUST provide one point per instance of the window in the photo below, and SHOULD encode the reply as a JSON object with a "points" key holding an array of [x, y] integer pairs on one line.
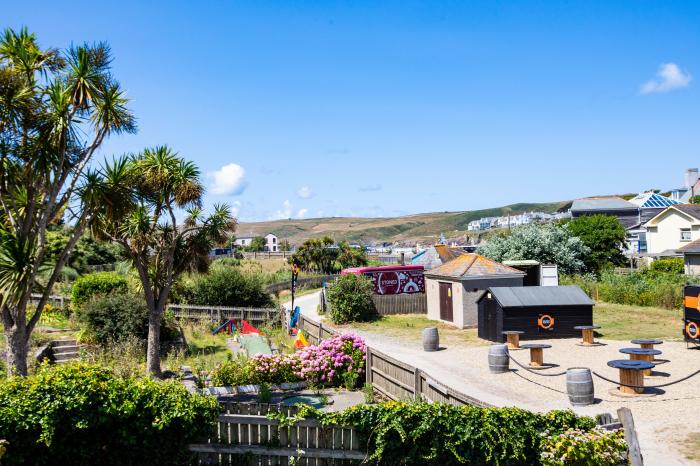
{"points": [[685, 234], [274, 240]]}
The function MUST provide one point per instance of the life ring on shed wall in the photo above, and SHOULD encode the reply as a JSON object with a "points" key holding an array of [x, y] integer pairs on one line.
{"points": [[692, 330], [545, 322]]}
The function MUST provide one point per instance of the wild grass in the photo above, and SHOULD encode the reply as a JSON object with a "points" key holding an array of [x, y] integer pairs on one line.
{"points": [[625, 322]]}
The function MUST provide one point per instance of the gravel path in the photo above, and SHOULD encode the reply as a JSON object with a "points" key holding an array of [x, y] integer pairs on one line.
{"points": [[663, 421]]}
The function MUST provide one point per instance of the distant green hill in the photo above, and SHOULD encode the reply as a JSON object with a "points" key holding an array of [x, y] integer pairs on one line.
{"points": [[424, 228]]}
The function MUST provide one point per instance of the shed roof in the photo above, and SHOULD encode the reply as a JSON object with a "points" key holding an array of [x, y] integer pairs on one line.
{"points": [[470, 265], [602, 203], [692, 248], [523, 296]]}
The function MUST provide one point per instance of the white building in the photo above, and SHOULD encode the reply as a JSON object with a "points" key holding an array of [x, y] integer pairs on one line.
{"points": [[675, 227], [271, 242]]}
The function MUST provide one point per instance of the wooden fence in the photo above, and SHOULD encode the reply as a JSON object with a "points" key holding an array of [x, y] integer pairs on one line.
{"points": [[216, 314], [392, 378], [306, 282], [415, 303], [54, 300], [245, 436]]}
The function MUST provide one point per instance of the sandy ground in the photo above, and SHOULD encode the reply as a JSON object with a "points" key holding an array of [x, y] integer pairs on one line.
{"points": [[662, 421]]}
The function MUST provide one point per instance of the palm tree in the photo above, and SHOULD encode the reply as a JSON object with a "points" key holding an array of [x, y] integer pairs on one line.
{"points": [[56, 109], [140, 202]]}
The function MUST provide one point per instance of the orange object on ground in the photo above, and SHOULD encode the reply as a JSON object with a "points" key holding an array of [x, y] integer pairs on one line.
{"points": [[300, 341], [248, 329]]}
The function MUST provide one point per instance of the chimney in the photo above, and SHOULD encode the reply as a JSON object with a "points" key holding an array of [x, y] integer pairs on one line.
{"points": [[691, 177]]}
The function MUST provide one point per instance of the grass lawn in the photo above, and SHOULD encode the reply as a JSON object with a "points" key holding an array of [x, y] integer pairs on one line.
{"points": [[624, 322], [410, 326]]}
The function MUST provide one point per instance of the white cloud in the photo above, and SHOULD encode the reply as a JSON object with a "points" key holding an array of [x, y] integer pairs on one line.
{"points": [[284, 212], [302, 213], [305, 192], [668, 78], [228, 180]]}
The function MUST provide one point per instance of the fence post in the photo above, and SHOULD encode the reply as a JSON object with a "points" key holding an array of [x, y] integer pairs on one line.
{"points": [[416, 384], [634, 452], [320, 332], [368, 366]]}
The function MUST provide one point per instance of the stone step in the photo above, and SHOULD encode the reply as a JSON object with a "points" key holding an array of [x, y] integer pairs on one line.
{"points": [[59, 343], [65, 356], [65, 349]]}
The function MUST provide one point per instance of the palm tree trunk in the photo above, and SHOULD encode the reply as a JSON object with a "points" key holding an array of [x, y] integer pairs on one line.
{"points": [[153, 349], [17, 349]]}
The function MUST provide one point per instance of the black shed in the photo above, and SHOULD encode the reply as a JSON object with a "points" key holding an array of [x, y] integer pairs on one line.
{"points": [[539, 311]]}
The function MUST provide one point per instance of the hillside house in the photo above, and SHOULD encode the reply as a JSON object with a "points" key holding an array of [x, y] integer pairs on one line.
{"points": [[672, 229], [271, 241]]}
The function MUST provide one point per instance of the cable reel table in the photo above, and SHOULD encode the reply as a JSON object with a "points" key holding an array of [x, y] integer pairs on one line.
{"points": [[587, 336], [513, 338], [649, 343], [631, 373], [537, 354], [642, 354]]}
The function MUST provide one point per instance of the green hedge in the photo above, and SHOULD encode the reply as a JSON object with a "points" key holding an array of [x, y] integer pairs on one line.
{"points": [[399, 433], [82, 414], [643, 288], [94, 284], [222, 286]]}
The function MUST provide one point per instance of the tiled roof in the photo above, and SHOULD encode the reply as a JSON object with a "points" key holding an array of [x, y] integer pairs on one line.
{"points": [[693, 247], [473, 265], [602, 203], [691, 209]]}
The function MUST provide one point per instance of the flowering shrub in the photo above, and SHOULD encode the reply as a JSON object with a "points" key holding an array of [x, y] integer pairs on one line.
{"points": [[594, 447], [336, 361], [332, 358]]}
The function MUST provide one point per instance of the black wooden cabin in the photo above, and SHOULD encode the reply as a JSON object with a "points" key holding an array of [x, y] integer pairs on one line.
{"points": [[539, 311]]}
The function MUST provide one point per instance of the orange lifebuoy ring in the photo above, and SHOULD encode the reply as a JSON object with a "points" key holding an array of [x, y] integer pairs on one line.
{"points": [[692, 330], [545, 322]]}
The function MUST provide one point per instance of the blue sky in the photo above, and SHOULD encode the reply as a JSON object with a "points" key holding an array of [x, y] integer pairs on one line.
{"points": [[321, 108]]}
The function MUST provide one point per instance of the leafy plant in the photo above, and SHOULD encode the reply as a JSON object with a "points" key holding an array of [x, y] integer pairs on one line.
{"points": [[115, 317], [82, 414], [399, 433], [577, 447], [265, 394], [547, 244], [91, 285], [675, 265], [223, 286], [350, 299], [604, 236]]}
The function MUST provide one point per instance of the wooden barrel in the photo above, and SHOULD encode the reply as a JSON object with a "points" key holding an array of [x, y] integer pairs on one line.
{"points": [[579, 386], [498, 359], [431, 339]]}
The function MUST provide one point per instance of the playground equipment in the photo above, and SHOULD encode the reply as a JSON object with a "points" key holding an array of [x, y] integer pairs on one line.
{"points": [[229, 327]]}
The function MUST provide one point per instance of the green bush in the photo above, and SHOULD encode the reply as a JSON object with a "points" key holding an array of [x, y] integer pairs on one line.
{"points": [[93, 284], [223, 286], [350, 299], [576, 447], [642, 288], [672, 265], [117, 317], [80, 414], [400, 433]]}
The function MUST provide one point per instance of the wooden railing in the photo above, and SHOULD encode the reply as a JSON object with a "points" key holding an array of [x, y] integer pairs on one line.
{"points": [[243, 432], [216, 314], [306, 282], [392, 378]]}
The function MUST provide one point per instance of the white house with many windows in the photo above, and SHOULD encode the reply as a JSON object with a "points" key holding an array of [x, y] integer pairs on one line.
{"points": [[675, 227]]}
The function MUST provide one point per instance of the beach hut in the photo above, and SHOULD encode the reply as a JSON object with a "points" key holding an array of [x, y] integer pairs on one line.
{"points": [[538, 311], [453, 288]]}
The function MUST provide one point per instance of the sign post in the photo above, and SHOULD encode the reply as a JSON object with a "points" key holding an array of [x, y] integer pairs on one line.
{"points": [[295, 274]]}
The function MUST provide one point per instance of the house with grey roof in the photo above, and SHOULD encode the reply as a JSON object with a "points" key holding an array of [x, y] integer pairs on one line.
{"points": [[671, 230]]}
